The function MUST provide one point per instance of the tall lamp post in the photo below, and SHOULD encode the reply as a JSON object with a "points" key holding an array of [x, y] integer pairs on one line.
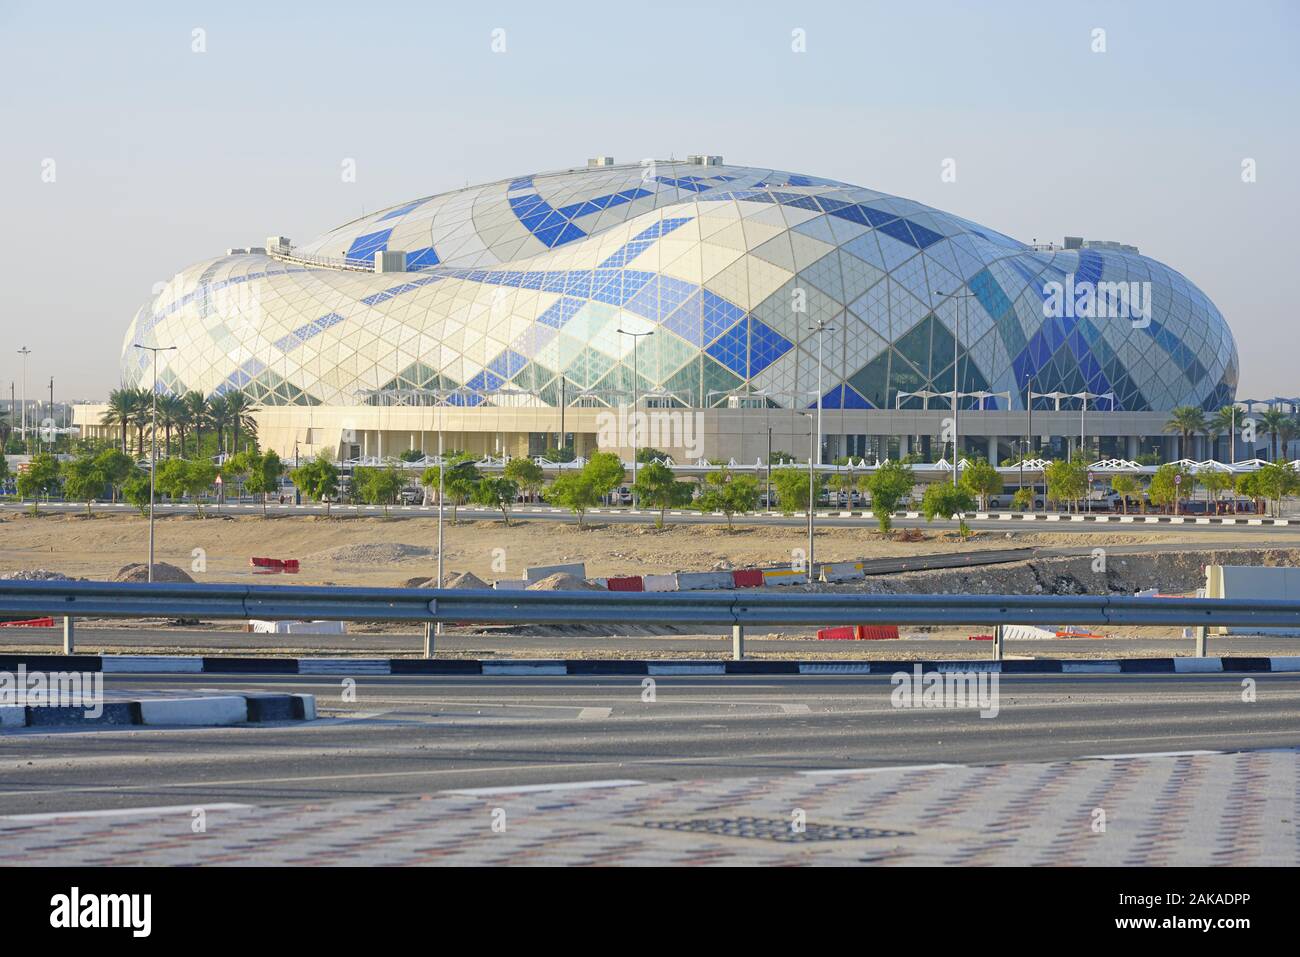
{"points": [[818, 331], [956, 378], [1029, 423], [813, 448], [24, 352], [153, 443], [635, 336]]}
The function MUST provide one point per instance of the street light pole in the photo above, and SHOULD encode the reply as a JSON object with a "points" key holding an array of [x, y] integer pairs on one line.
{"points": [[635, 336], [819, 329], [153, 445], [956, 380], [24, 352]]}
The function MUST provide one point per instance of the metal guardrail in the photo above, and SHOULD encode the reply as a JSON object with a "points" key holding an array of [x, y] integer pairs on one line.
{"points": [[738, 609]]}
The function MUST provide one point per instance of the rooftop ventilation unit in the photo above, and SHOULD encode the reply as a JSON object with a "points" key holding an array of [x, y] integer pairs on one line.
{"points": [[600, 161], [703, 160]]}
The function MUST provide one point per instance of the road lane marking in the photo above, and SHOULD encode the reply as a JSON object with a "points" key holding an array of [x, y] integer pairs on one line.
{"points": [[535, 788], [124, 812], [595, 712]]}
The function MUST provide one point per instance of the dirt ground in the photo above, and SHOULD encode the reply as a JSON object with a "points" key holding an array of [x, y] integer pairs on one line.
{"points": [[375, 551]]}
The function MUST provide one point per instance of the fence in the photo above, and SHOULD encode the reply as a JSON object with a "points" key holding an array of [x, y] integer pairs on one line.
{"points": [[737, 609]]}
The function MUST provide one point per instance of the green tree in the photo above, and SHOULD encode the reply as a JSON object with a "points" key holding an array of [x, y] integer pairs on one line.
{"points": [[1066, 481], [574, 491], [1215, 483], [1023, 500], [1125, 486], [889, 485], [41, 477], [982, 480], [1170, 485], [379, 486], [525, 473], [116, 467], [649, 454], [497, 492], [264, 471], [84, 481], [180, 477], [729, 494], [460, 482], [318, 480], [605, 470], [1247, 485], [792, 489], [946, 501], [136, 490], [657, 487], [1276, 481]]}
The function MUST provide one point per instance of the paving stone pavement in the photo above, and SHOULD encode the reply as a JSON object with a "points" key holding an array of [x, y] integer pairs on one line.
{"points": [[1238, 809]]}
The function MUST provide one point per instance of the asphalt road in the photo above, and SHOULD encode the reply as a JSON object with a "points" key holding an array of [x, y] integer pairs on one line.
{"points": [[405, 736], [829, 518]]}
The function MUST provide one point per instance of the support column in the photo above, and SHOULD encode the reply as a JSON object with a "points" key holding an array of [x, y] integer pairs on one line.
{"points": [[737, 642], [997, 642], [1131, 448], [902, 447], [992, 455], [69, 637]]}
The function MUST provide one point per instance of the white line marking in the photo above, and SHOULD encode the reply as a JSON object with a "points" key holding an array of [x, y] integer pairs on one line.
{"points": [[595, 712], [123, 812], [829, 772], [534, 788], [1147, 754], [796, 709]]}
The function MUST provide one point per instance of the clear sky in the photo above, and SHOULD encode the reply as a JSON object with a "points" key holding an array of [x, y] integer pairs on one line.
{"points": [[163, 156]]}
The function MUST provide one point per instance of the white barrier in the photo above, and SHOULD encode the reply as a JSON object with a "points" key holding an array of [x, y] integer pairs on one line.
{"points": [[660, 582], [1026, 633], [776, 577]]}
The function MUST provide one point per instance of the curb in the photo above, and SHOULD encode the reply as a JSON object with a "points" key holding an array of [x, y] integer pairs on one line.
{"points": [[206, 712], [588, 667]]}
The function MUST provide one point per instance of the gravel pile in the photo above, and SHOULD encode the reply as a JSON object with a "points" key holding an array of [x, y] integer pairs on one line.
{"points": [[35, 575], [372, 553]]}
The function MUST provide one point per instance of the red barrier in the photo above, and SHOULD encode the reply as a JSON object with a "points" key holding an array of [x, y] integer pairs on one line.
{"points": [[747, 577], [843, 633], [877, 632], [270, 565], [29, 623], [628, 583], [979, 637]]}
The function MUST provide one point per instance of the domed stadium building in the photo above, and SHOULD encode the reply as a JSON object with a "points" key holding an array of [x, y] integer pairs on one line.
{"points": [[719, 302]]}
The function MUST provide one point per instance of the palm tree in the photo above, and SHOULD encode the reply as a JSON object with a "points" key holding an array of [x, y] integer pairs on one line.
{"points": [[1186, 420], [1274, 423], [170, 416], [5, 428], [121, 403], [141, 415], [239, 413], [219, 419], [197, 415], [1223, 422]]}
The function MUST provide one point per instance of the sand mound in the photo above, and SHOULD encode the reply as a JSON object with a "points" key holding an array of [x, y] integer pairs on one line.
{"points": [[563, 581], [454, 580], [372, 553], [162, 572]]}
